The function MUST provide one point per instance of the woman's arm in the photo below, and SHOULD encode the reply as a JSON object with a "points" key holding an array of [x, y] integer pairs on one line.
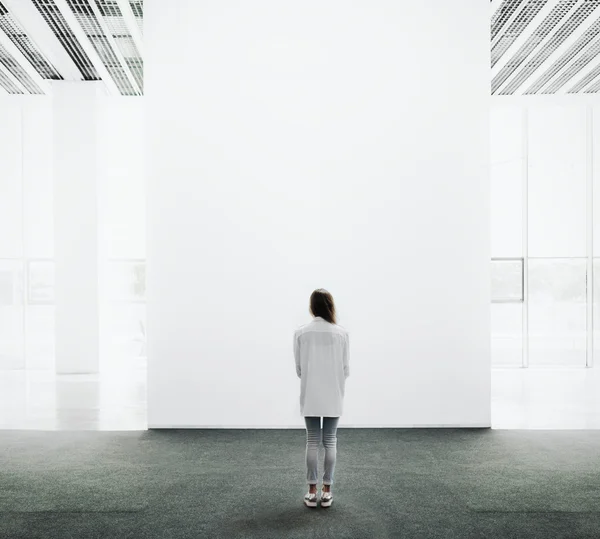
{"points": [[347, 356], [297, 353]]}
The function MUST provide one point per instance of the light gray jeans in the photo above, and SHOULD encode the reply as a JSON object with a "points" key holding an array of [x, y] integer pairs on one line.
{"points": [[313, 440]]}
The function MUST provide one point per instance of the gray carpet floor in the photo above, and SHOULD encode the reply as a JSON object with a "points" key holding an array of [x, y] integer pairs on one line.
{"points": [[397, 483]]}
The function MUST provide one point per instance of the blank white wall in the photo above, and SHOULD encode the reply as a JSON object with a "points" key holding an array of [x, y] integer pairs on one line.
{"points": [[406, 242], [322, 144]]}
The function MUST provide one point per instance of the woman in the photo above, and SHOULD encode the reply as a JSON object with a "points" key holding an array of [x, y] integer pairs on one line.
{"points": [[321, 351]]}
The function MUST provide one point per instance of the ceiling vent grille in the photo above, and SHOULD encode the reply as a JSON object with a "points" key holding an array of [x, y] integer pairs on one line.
{"points": [[63, 33], [136, 66], [18, 72], [537, 36], [17, 35], [9, 85], [113, 18], [570, 25], [137, 6], [503, 14], [588, 55], [92, 28], [516, 28], [577, 66], [595, 87]]}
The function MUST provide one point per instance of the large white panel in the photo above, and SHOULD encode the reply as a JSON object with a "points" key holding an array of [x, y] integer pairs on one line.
{"points": [[406, 209], [298, 156], [506, 175], [557, 181]]}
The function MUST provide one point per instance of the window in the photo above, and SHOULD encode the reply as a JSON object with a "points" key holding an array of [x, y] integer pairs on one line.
{"points": [[126, 312], [11, 315], [507, 280], [557, 312]]}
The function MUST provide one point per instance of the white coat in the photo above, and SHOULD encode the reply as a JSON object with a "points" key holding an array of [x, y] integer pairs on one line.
{"points": [[321, 351]]}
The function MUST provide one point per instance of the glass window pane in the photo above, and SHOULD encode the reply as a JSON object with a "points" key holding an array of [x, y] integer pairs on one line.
{"points": [[506, 208], [126, 314], [596, 172], [123, 165], [507, 334], [11, 238], [557, 181], [126, 280], [126, 334], [39, 330], [597, 311], [557, 312], [11, 315], [38, 179], [507, 280], [41, 282]]}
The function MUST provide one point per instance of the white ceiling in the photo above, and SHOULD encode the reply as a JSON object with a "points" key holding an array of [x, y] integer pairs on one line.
{"points": [[537, 46]]}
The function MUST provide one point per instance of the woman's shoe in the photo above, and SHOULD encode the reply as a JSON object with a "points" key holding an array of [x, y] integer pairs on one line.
{"points": [[310, 500], [326, 499]]}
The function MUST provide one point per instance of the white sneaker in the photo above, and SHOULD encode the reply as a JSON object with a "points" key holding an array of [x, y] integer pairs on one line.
{"points": [[326, 498], [310, 500]]}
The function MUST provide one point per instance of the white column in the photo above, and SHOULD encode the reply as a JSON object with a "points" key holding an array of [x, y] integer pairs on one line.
{"points": [[589, 140], [76, 225]]}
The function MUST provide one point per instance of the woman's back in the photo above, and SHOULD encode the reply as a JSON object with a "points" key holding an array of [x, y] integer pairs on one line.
{"points": [[321, 350]]}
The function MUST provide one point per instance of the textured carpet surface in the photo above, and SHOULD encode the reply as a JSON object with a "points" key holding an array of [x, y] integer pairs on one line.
{"points": [[397, 483]]}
